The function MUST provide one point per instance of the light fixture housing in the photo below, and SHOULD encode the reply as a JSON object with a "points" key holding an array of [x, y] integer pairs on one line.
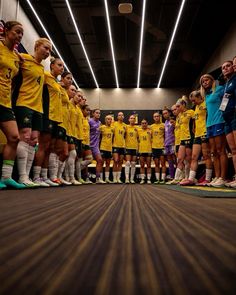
{"points": [[125, 8]]}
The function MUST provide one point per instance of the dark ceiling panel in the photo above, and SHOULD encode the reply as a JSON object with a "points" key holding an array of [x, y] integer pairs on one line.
{"points": [[200, 32]]}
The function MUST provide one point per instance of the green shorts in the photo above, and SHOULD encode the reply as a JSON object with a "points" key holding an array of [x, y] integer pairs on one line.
{"points": [[6, 114], [60, 133], [49, 126], [28, 118], [85, 147]]}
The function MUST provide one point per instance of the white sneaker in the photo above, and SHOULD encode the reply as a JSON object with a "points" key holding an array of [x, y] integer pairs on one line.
{"points": [[40, 182], [213, 181], [28, 183], [132, 181], [220, 182], [81, 181], [233, 182], [49, 182], [127, 181], [63, 181], [75, 182], [119, 181], [142, 181], [100, 181], [149, 181], [88, 181], [108, 181]]}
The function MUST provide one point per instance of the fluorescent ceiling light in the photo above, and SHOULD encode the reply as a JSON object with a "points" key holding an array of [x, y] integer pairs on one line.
{"points": [[81, 42], [171, 42], [49, 37], [141, 43], [111, 43]]}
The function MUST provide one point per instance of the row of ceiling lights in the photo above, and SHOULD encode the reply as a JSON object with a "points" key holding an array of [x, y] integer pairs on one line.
{"points": [[111, 41]]}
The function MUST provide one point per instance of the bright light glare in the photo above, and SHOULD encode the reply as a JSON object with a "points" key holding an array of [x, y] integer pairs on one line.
{"points": [[81, 42], [111, 43], [171, 42]]}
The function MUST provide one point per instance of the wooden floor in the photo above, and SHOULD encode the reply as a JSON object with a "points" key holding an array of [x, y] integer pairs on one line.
{"points": [[116, 239]]}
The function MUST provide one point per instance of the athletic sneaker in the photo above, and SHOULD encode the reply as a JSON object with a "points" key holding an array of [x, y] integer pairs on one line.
{"points": [[142, 181], [100, 181], [2, 185], [220, 182], [232, 182], [40, 182], [162, 181], [75, 182], [119, 181], [88, 181], [127, 181], [12, 183], [213, 180], [174, 181], [203, 183], [28, 183], [49, 182], [149, 181], [132, 181], [64, 182], [108, 181], [81, 181], [56, 180], [187, 182], [156, 182]]}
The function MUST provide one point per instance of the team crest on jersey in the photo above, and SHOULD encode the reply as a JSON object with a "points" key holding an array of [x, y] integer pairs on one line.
{"points": [[26, 120]]}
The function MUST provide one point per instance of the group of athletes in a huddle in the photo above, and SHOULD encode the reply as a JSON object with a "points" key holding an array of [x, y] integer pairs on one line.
{"points": [[54, 136]]}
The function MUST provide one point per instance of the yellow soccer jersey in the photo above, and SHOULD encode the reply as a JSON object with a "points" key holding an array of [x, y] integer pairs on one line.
{"points": [[131, 137], [200, 119], [177, 130], [31, 89], [145, 141], [185, 124], [106, 137], [65, 109], [119, 135], [72, 119], [158, 135], [55, 104], [79, 123], [86, 131], [9, 67]]}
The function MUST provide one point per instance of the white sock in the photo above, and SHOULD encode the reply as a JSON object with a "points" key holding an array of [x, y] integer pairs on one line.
{"points": [[22, 155], [114, 175], [52, 165], [44, 173], [61, 167], [157, 174], [78, 168], [127, 167], [142, 176], [208, 174], [192, 175], [149, 176], [36, 172], [7, 168], [132, 170], [30, 159], [118, 175], [71, 163], [178, 173], [163, 176], [107, 175]]}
